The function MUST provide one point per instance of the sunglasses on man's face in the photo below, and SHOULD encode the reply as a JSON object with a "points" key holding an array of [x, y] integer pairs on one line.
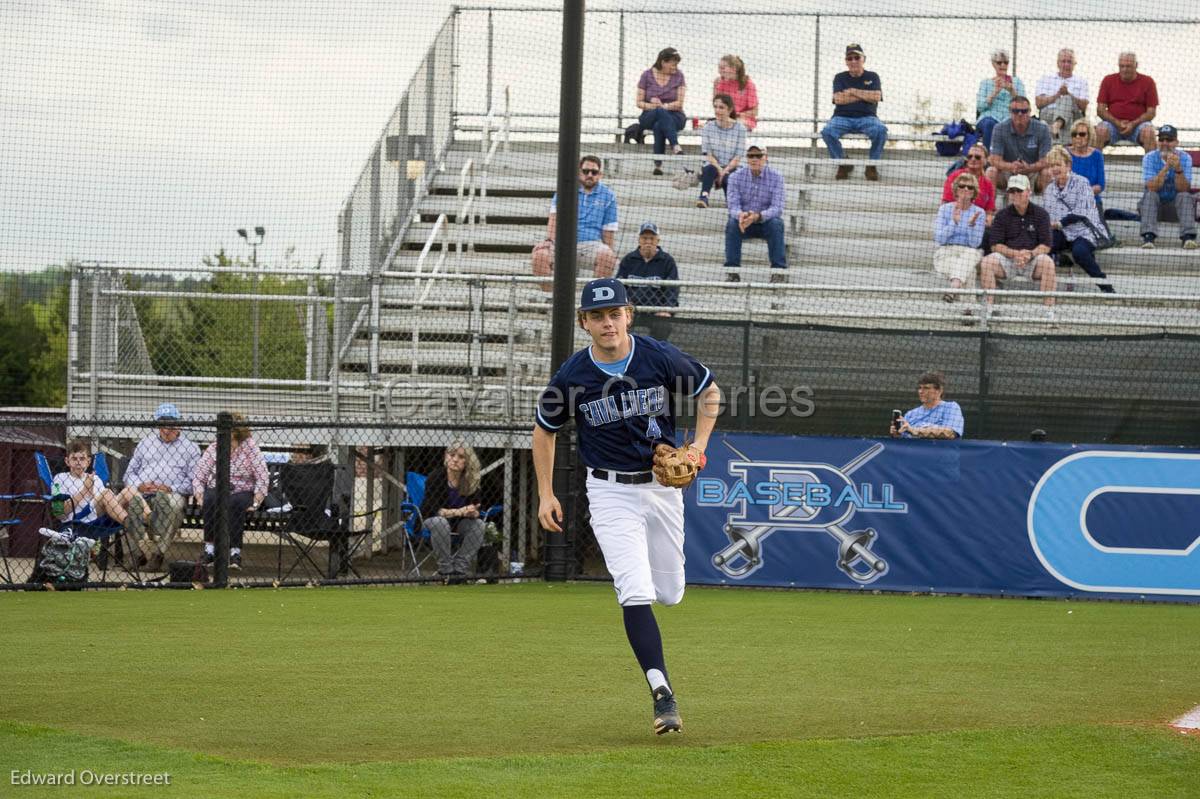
{"points": [[754, 155], [975, 157], [1079, 134], [1001, 61], [590, 171], [854, 58], [1018, 110]]}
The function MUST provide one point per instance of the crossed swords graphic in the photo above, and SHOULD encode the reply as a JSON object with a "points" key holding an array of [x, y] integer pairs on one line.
{"points": [[855, 558]]}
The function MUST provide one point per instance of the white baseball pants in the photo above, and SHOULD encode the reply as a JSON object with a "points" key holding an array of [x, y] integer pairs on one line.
{"points": [[640, 531]]}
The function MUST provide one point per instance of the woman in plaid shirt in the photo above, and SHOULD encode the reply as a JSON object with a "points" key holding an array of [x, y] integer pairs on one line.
{"points": [[248, 483]]}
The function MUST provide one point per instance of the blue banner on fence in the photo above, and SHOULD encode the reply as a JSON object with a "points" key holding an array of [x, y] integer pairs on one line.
{"points": [[947, 516]]}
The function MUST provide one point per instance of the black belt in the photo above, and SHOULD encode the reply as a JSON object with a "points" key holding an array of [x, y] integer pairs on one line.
{"points": [[627, 479]]}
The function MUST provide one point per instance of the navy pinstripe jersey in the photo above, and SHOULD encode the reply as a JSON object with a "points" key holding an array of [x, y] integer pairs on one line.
{"points": [[619, 419]]}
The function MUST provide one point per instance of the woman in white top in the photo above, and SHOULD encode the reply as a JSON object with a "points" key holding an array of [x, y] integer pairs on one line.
{"points": [[722, 142]]}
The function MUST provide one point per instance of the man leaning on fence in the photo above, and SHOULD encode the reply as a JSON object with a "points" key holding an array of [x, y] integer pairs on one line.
{"points": [[159, 476]]}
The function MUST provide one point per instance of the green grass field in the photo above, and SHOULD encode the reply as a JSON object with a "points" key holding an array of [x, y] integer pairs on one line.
{"points": [[530, 690]]}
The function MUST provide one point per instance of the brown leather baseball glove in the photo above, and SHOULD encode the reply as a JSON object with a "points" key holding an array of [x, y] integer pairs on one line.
{"points": [[677, 467]]}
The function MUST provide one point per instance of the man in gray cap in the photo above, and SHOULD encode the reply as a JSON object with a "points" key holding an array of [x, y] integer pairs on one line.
{"points": [[159, 476]]}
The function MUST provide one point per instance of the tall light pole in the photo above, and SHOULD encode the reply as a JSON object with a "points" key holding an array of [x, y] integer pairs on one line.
{"points": [[259, 232]]}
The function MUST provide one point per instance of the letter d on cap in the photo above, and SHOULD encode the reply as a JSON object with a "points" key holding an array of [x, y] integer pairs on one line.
{"points": [[602, 293]]}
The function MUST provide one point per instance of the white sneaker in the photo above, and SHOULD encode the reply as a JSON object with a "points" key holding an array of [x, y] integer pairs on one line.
{"points": [[1189, 244], [1051, 317], [1148, 244]]}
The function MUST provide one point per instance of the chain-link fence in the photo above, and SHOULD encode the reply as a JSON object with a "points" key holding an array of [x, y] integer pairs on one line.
{"points": [[234, 501]]}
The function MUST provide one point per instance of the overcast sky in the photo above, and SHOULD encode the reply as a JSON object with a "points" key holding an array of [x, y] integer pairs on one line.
{"points": [[148, 132]]}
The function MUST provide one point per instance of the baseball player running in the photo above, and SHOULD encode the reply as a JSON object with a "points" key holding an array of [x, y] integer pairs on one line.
{"points": [[622, 392]]}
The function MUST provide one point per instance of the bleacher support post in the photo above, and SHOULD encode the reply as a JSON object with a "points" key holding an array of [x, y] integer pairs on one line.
{"points": [[224, 451], [565, 266]]}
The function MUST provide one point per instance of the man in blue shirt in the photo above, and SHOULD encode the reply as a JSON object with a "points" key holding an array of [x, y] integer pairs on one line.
{"points": [[651, 262], [755, 200], [596, 229], [1168, 176], [159, 476], [857, 93], [933, 418]]}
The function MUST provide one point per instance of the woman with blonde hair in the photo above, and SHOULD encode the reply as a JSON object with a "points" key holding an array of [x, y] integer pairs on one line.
{"points": [[1074, 219], [452, 505], [248, 484], [732, 80], [958, 232], [1086, 160]]}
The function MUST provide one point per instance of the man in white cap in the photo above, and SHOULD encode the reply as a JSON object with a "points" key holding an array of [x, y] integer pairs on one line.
{"points": [[755, 198], [160, 476], [1021, 240]]}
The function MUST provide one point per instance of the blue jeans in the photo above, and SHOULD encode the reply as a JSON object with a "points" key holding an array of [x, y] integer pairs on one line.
{"points": [[1084, 254], [771, 230], [708, 176], [666, 126], [985, 126], [838, 127]]}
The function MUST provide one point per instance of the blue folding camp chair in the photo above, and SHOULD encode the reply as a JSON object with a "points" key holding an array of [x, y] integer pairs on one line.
{"points": [[110, 535]]}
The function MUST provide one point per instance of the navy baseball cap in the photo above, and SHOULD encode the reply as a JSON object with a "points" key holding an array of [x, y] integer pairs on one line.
{"points": [[1168, 132], [607, 292], [166, 412], [648, 227]]}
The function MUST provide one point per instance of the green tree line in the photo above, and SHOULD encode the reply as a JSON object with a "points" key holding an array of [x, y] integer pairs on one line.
{"points": [[193, 336]]}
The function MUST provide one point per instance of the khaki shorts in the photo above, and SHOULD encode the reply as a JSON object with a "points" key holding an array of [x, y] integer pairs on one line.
{"points": [[585, 251], [1012, 270]]}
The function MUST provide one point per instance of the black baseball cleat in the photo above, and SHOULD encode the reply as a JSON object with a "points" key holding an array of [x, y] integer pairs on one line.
{"points": [[666, 713]]}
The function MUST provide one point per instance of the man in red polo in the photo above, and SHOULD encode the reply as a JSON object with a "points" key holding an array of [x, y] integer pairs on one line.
{"points": [[1127, 102]]}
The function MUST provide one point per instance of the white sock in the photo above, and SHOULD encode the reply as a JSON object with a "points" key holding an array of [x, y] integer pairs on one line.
{"points": [[208, 549], [235, 551], [656, 679]]}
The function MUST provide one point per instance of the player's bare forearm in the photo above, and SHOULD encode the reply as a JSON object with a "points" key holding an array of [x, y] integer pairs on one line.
{"points": [[543, 460], [706, 415], [549, 511]]}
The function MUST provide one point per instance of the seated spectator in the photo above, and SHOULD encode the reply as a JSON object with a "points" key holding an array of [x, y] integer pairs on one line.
{"points": [[733, 81], [1021, 242], [1074, 218], [158, 482], [595, 229], [452, 505], [1167, 172], [958, 233], [651, 262], [1062, 97], [248, 486], [934, 417], [857, 94], [722, 142], [660, 94], [1019, 147], [87, 500], [1126, 104], [755, 197], [994, 96], [985, 192], [1087, 161]]}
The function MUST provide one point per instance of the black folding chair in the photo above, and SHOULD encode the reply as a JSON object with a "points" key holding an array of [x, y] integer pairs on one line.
{"points": [[315, 516]]}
